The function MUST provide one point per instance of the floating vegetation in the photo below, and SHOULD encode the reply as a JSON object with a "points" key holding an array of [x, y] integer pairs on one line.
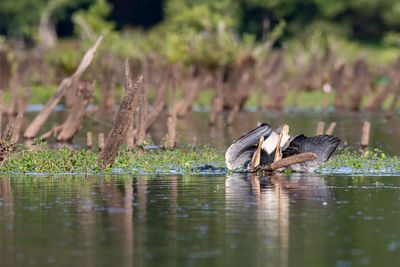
{"points": [[204, 160], [183, 160], [371, 162]]}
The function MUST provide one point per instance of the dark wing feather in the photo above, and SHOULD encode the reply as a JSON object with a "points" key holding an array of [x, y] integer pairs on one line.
{"points": [[241, 151], [322, 145]]}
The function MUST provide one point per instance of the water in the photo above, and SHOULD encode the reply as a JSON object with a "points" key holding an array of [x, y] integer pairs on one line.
{"points": [[193, 129], [234, 220]]}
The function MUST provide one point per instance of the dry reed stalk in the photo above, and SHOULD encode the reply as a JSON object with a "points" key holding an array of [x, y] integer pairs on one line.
{"points": [[154, 115], [273, 82], [338, 83], [130, 136], [13, 127], [108, 88], [365, 134], [240, 84], [53, 132], [331, 128], [89, 140], [232, 114], [23, 68], [5, 150], [393, 105], [5, 69], [66, 84], [172, 135], [277, 100], [77, 113], [320, 128], [188, 100], [17, 127], [217, 107], [300, 158], [361, 82], [124, 117], [142, 115], [70, 96], [218, 101], [100, 141], [24, 100], [313, 73], [383, 93], [162, 86]]}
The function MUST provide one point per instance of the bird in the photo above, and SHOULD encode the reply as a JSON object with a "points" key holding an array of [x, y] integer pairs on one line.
{"points": [[264, 145]]}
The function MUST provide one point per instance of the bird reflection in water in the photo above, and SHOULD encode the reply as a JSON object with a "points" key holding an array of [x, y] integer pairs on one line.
{"points": [[272, 198]]}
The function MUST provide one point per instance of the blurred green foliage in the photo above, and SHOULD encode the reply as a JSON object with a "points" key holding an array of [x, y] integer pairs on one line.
{"points": [[20, 19], [215, 33]]}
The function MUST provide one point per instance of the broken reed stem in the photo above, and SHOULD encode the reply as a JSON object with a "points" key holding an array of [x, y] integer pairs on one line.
{"points": [[100, 141], [232, 114], [393, 105], [331, 128], [53, 132], [141, 123], [17, 127], [365, 134], [67, 83], [153, 116], [171, 136], [84, 95], [108, 88], [130, 136], [23, 101], [218, 101], [120, 127], [13, 127], [320, 128], [300, 158], [89, 140], [217, 107]]}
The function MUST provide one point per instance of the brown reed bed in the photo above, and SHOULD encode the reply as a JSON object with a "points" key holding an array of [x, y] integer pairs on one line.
{"points": [[169, 90]]}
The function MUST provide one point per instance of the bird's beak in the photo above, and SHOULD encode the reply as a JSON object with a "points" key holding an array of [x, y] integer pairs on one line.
{"points": [[282, 130], [255, 161]]}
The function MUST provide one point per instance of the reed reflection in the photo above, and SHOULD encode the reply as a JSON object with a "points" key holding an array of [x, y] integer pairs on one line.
{"points": [[272, 197], [6, 216]]}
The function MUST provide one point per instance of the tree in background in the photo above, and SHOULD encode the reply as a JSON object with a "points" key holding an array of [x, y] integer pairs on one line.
{"points": [[361, 19], [21, 19]]}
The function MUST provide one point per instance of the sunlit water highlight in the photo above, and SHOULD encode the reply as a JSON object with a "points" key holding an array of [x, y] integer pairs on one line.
{"points": [[234, 220]]}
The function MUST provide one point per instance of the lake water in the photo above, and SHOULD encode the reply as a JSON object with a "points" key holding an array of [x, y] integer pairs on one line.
{"points": [[234, 220], [194, 129]]}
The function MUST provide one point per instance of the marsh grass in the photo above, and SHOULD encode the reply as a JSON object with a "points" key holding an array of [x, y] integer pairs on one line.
{"points": [[353, 162], [182, 160], [66, 160]]}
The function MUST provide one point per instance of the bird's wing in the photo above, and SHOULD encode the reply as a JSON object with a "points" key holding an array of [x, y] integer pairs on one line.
{"points": [[322, 145], [240, 152]]}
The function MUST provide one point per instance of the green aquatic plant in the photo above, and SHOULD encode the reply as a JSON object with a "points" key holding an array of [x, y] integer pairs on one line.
{"points": [[183, 160], [67, 160], [370, 161]]}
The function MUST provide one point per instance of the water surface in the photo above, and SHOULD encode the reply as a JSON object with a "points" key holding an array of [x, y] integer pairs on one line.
{"points": [[194, 129], [234, 220]]}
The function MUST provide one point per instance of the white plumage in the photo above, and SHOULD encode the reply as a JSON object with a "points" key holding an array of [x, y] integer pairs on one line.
{"points": [[271, 142]]}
